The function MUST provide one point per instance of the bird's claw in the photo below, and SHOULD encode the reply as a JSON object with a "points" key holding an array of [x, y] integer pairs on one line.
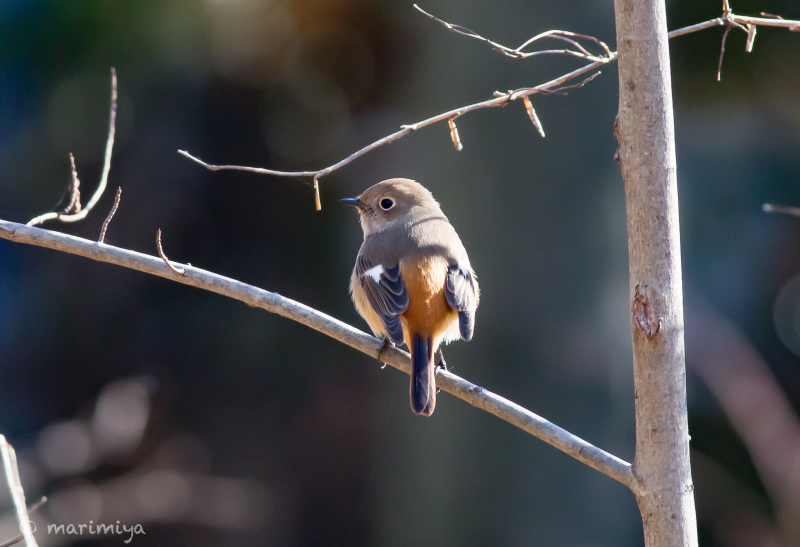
{"points": [[387, 343], [441, 364]]}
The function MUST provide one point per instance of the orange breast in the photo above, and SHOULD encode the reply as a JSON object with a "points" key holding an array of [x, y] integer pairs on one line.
{"points": [[428, 313]]}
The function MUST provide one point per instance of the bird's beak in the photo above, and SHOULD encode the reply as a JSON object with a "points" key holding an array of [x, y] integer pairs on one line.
{"points": [[355, 202]]}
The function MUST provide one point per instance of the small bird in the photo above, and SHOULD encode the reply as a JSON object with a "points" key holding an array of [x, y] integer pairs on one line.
{"points": [[412, 280]]}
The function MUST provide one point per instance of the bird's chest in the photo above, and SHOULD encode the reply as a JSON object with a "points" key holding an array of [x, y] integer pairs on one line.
{"points": [[425, 282]]}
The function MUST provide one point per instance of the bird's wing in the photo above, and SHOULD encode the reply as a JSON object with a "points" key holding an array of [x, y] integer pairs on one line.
{"points": [[461, 295], [386, 294]]}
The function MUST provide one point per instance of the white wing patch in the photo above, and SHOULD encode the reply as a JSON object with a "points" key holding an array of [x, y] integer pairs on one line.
{"points": [[464, 269], [375, 273]]}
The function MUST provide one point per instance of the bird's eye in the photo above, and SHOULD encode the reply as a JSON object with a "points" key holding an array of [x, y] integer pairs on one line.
{"points": [[386, 204]]}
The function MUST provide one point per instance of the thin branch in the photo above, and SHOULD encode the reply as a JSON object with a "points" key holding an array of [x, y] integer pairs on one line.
{"points": [[729, 24], [722, 50], [21, 537], [771, 21], [563, 35], [718, 22], [74, 205], [502, 99], [499, 100], [13, 541], [517, 52], [317, 200], [512, 413], [751, 37], [81, 214], [179, 271], [451, 122], [15, 486], [110, 215], [532, 115], [32, 508], [769, 208], [561, 90]]}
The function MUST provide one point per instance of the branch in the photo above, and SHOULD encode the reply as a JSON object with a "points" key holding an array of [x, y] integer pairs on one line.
{"points": [[781, 209], [502, 99], [17, 493], [774, 21], [517, 52], [645, 131], [504, 409], [179, 271], [81, 214], [111, 214], [18, 539]]}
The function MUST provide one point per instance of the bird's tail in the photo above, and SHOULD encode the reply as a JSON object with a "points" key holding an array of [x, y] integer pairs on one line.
{"points": [[423, 376]]}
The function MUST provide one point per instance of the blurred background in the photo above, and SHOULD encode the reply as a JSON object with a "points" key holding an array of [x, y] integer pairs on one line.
{"points": [[133, 399]]}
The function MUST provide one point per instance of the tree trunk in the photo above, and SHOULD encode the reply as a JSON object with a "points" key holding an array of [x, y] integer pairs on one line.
{"points": [[646, 155]]}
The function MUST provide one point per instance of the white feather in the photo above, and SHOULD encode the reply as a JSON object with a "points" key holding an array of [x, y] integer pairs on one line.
{"points": [[375, 273]]}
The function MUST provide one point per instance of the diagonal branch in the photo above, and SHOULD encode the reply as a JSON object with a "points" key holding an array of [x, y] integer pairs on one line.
{"points": [[504, 409], [728, 19], [517, 52], [21, 537], [501, 99], [11, 470]]}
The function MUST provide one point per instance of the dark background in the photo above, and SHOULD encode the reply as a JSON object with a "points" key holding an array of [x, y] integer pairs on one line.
{"points": [[132, 398]]}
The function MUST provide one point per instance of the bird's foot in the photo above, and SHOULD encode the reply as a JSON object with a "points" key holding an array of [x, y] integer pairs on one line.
{"points": [[387, 343], [441, 364]]}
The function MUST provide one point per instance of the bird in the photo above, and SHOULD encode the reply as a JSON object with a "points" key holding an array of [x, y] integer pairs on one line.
{"points": [[412, 281]]}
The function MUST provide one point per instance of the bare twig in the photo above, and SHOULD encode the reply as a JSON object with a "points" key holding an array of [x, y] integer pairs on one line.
{"points": [[81, 214], [532, 114], [767, 21], [718, 22], [561, 90], [512, 413], [21, 537], [498, 100], [15, 487], [451, 122], [722, 50], [769, 208], [502, 99], [74, 205], [517, 52], [730, 22], [12, 541], [170, 265], [751, 36], [32, 508], [110, 215]]}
